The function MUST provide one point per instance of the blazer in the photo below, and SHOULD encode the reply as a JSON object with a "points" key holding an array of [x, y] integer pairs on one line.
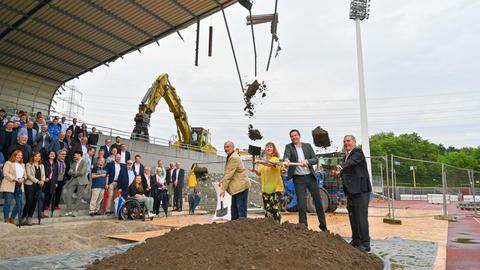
{"points": [[30, 168], [141, 169], [181, 178], [81, 173], [106, 151], [75, 130], [121, 175], [50, 188], [57, 145], [149, 180], [10, 177], [127, 155], [291, 154], [354, 173], [235, 179], [39, 140]]}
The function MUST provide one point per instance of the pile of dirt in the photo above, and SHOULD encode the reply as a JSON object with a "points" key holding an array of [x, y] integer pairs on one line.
{"points": [[254, 134], [243, 244]]}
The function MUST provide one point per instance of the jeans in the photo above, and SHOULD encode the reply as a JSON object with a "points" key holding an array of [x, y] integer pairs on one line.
{"points": [[160, 198], [239, 205], [8, 197]]}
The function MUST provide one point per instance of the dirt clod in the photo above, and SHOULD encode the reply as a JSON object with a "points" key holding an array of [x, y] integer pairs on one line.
{"points": [[254, 134], [249, 92], [243, 244]]}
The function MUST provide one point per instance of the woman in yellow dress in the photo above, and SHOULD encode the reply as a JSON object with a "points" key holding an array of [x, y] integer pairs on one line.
{"points": [[270, 171]]}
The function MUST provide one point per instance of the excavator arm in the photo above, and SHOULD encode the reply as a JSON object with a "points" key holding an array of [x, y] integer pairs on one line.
{"points": [[161, 88]]}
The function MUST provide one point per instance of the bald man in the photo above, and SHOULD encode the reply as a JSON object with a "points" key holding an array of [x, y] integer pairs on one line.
{"points": [[235, 182]]}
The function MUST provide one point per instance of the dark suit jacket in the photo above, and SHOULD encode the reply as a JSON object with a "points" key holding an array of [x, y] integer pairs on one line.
{"points": [[168, 179], [140, 170], [75, 130], [127, 156], [153, 184], [355, 173], [106, 151], [121, 176], [291, 154], [181, 178], [50, 187]]}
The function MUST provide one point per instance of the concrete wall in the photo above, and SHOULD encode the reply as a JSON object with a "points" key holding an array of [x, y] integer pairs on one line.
{"points": [[151, 153]]}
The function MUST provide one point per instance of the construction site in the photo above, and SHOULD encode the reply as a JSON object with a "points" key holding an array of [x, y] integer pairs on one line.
{"points": [[76, 61]]}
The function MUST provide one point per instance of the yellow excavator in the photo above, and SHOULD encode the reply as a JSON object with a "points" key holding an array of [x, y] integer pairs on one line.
{"points": [[194, 138]]}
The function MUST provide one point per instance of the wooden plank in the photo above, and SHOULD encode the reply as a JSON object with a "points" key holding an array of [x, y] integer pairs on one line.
{"points": [[139, 236]]}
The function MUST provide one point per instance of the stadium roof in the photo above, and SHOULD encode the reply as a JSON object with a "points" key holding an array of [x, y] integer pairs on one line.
{"points": [[45, 43]]}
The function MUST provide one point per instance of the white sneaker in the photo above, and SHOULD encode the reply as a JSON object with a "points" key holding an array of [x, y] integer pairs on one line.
{"points": [[68, 214], [151, 215]]}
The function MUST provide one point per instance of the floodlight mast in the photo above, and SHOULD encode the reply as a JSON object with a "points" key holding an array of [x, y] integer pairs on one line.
{"points": [[359, 10]]}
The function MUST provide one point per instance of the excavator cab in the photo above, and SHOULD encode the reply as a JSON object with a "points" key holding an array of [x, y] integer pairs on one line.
{"points": [[201, 138]]}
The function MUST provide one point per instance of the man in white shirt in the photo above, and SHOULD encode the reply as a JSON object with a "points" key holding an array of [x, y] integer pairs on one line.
{"points": [[125, 155], [130, 172], [304, 177], [117, 174], [138, 166], [63, 125]]}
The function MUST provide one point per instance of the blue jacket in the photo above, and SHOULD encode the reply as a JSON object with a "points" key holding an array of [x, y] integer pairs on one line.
{"points": [[54, 130], [122, 176]]}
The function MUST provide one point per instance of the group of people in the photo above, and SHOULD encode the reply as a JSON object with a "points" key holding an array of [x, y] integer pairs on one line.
{"points": [[47, 163], [298, 161]]}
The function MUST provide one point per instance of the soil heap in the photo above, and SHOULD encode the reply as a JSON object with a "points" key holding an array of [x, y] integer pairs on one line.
{"points": [[243, 244]]}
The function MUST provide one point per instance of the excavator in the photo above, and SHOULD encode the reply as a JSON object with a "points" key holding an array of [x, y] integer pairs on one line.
{"points": [[194, 138]]}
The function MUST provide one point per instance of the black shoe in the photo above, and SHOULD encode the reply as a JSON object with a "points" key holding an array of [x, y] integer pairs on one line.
{"points": [[364, 248], [92, 214], [354, 243], [323, 229]]}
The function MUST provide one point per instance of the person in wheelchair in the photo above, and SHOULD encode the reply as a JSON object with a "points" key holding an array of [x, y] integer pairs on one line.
{"points": [[137, 192]]}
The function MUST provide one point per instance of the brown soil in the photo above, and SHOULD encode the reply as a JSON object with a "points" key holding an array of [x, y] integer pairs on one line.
{"points": [[320, 137], [250, 92], [244, 244], [57, 238], [254, 134]]}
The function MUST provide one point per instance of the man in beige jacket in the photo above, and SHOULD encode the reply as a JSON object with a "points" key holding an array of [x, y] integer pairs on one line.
{"points": [[235, 182]]}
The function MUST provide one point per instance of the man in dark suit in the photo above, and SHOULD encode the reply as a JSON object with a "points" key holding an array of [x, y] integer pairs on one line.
{"points": [[124, 153], [178, 183], [117, 176], [357, 187], [304, 177], [106, 148], [93, 137], [148, 182], [75, 128], [138, 166]]}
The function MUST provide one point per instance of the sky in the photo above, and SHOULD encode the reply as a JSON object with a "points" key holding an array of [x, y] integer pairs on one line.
{"points": [[421, 74]]}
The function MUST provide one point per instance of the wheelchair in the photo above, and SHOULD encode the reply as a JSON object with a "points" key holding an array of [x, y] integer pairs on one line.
{"points": [[133, 209]]}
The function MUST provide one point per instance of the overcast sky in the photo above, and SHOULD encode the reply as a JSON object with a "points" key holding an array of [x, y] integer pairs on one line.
{"points": [[421, 68]]}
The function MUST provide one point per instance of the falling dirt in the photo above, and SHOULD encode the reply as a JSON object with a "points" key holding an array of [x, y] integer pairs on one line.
{"points": [[254, 134], [243, 244], [320, 137], [249, 93]]}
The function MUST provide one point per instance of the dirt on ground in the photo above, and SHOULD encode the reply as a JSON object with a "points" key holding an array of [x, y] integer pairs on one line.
{"points": [[243, 244], [254, 134], [57, 238]]}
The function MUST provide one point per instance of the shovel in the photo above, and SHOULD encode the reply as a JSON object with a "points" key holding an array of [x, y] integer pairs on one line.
{"points": [[223, 211]]}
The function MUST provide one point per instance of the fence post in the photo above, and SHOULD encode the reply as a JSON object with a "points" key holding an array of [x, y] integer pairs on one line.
{"points": [[472, 172], [444, 187], [393, 186], [388, 187]]}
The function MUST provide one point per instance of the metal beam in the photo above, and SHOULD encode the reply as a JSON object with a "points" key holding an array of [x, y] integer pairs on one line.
{"points": [[44, 54], [165, 33], [24, 18], [158, 18], [184, 8], [58, 29], [50, 42], [91, 25], [118, 18], [30, 72], [15, 57]]}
